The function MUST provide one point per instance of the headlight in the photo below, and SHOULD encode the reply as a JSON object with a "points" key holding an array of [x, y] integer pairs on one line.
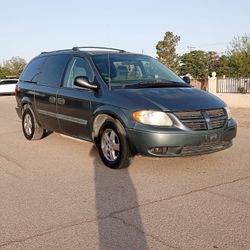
{"points": [[156, 118], [228, 112]]}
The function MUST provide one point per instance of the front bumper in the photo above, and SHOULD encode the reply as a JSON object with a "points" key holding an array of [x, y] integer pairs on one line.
{"points": [[181, 143]]}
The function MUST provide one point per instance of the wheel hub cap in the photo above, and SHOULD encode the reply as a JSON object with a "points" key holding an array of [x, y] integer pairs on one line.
{"points": [[110, 145], [28, 124]]}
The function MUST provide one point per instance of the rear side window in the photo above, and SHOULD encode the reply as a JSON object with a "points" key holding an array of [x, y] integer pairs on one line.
{"points": [[33, 70], [53, 70]]}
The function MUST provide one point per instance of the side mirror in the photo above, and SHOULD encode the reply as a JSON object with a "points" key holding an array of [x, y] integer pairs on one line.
{"points": [[83, 82], [186, 79]]}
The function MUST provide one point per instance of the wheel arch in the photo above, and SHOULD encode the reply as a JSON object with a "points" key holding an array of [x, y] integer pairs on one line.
{"points": [[27, 101], [102, 114]]}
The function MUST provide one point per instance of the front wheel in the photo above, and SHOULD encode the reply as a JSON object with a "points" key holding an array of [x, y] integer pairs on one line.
{"points": [[113, 146]]}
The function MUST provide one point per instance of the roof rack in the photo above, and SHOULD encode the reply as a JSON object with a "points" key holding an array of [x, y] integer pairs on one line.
{"points": [[104, 48], [78, 48], [61, 50]]}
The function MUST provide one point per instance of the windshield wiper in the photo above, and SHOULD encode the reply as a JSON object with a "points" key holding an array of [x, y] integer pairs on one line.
{"points": [[156, 83]]}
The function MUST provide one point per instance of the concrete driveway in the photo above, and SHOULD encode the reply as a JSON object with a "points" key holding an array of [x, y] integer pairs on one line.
{"points": [[56, 194]]}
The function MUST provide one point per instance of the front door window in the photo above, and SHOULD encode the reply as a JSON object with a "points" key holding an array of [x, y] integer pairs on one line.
{"points": [[77, 67]]}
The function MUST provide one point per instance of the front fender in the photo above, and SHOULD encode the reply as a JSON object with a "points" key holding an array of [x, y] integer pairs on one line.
{"points": [[112, 111], [100, 115]]}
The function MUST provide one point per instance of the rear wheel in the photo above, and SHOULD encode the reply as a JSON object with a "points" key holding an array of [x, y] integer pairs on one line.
{"points": [[113, 146], [31, 129]]}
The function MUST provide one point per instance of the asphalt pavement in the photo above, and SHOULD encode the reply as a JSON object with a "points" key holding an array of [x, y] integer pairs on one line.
{"points": [[56, 194]]}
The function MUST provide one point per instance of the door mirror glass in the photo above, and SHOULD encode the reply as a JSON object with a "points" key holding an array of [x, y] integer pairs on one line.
{"points": [[186, 79], [83, 82]]}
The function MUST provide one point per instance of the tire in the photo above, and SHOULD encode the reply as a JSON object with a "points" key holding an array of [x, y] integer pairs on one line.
{"points": [[113, 146], [31, 129]]}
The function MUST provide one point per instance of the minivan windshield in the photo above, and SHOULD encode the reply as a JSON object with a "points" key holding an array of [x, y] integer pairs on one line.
{"points": [[129, 70]]}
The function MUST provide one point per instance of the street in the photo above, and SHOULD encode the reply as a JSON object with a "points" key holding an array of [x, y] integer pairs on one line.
{"points": [[56, 194]]}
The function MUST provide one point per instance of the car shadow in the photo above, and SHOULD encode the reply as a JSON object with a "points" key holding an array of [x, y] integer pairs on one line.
{"points": [[47, 133], [119, 221]]}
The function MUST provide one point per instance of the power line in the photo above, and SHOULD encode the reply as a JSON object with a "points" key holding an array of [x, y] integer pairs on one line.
{"points": [[191, 47]]}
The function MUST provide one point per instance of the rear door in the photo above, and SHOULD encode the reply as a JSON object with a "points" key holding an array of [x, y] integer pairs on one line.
{"points": [[46, 90], [74, 103]]}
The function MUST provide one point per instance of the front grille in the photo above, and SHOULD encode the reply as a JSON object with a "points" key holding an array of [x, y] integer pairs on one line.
{"points": [[195, 125], [189, 115], [217, 123], [203, 120], [205, 148], [215, 113]]}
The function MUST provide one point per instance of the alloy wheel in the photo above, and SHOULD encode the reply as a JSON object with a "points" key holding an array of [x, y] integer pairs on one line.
{"points": [[110, 145]]}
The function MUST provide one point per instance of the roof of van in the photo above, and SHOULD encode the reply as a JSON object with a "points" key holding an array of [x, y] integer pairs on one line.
{"points": [[87, 50]]}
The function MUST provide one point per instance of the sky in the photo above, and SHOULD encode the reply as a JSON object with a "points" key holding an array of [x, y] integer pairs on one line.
{"points": [[30, 27]]}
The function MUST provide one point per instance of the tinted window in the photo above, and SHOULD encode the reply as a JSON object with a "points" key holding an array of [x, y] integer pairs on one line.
{"points": [[77, 67], [33, 70], [53, 70]]}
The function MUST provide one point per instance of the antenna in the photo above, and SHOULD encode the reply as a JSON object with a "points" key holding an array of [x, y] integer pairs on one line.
{"points": [[109, 83]]}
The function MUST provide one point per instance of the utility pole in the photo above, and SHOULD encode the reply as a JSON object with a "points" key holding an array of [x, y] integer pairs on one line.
{"points": [[190, 48]]}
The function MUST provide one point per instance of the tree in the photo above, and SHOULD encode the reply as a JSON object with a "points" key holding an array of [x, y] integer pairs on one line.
{"points": [[201, 64], [239, 56], [224, 68], [194, 63], [4, 72], [12, 67], [166, 51], [213, 62]]}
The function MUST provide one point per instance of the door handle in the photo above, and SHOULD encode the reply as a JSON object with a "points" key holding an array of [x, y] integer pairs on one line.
{"points": [[60, 101], [52, 99]]}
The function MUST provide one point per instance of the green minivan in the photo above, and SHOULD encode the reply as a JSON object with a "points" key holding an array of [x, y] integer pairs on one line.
{"points": [[125, 103]]}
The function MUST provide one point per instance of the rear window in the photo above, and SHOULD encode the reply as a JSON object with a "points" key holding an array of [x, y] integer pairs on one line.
{"points": [[33, 70], [53, 70], [8, 82]]}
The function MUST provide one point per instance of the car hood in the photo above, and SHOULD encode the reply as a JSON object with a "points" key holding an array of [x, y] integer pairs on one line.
{"points": [[172, 98]]}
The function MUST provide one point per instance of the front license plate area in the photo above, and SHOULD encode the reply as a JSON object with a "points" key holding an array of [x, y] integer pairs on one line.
{"points": [[214, 137]]}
